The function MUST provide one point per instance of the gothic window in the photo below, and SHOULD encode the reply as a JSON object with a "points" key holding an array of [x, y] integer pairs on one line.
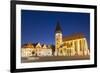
{"points": [[64, 49], [68, 51], [81, 45], [69, 44], [75, 43], [61, 51]]}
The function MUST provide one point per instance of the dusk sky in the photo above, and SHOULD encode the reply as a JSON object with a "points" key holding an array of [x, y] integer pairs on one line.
{"points": [[39, 26]]}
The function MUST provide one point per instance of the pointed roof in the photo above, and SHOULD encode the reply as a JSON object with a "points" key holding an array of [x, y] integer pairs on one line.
{"points": [[58, 28]]}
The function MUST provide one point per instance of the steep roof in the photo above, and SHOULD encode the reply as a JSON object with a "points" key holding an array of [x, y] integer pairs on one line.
{"points": [[73, 37], [58, 28], [31, 45]]}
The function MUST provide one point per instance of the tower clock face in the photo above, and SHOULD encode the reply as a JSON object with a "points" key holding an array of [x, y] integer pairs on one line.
{"points": [[58, 35]]}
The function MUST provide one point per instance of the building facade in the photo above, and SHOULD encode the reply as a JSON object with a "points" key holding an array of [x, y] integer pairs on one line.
{"points": [[30, 50], [74, 45]]}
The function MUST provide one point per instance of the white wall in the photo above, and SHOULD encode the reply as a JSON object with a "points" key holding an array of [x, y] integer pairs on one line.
{"points": [[5, 36]]}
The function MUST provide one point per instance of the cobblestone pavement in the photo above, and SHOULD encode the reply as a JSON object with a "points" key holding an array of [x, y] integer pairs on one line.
{"points": [[54, 58]]}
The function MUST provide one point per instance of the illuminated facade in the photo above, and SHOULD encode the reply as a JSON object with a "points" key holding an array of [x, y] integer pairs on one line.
{"points": [[74, 45], [29, 50]]}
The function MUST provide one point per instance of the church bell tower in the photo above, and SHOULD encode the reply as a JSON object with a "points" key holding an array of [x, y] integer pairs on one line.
{"points": [[58, 38]]}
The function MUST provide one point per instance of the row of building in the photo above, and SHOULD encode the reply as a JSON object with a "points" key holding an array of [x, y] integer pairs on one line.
{"points": [[73, 45], [37, 49]]}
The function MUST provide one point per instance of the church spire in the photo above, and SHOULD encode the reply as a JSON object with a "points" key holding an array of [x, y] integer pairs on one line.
{"points": [[58, 28]]}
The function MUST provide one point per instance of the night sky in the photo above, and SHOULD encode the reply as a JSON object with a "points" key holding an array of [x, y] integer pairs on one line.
{"points": [[39, 26]]}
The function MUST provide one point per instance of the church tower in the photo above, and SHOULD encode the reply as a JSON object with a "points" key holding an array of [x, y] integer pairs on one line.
{"points": [[58, 38]]}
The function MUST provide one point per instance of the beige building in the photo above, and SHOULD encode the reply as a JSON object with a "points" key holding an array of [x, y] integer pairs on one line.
{"points": [[75, 44], [29, 50]]}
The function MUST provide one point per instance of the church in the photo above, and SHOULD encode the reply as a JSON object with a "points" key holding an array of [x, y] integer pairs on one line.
{"points": [[73, 45]]}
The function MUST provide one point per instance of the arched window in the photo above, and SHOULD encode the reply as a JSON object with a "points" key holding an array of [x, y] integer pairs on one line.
{"points": [[69, 44], [80, 41], [75, 43]]}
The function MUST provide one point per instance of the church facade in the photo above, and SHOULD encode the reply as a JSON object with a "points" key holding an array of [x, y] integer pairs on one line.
{"points": [[74, 45]]}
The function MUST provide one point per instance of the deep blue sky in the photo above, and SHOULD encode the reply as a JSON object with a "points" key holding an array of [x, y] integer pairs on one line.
{"points": [[39, 26]]}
